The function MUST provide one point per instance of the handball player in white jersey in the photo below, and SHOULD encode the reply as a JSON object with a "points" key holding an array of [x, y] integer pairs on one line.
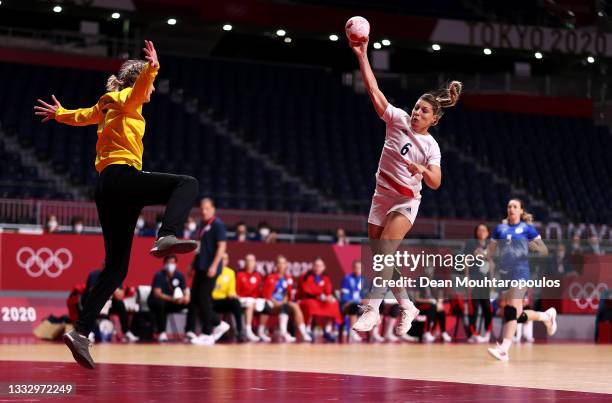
{"points": [[410, 156]]}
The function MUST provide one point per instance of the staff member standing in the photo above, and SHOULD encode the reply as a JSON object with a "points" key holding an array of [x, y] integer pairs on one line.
{"points": [[207, 265]]}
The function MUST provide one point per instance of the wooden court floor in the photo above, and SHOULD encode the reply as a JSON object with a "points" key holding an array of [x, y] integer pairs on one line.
{"points": [[565, 367]]}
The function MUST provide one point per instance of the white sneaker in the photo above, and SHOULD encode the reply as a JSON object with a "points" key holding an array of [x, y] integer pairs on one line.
{"points": [[91, 337], [162, 338], [354, 337], [287, 338], [203, 340], [377, 338], [406, 318], [446, 337], [251, 336], [428, 337], [264, 337], [220, 330], [551, 326], [498, 353], [473, 339], [130, 337], [529, 339], [306, 337], [483, 339], [390, 337], [409, 339], [368, 319], [190, 335]]}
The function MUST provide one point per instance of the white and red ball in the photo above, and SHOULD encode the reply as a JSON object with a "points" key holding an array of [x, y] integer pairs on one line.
{"points": [[357, 29]]}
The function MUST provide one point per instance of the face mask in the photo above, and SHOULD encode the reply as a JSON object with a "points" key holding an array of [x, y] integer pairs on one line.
{"points": [[52, 225], [170, 267], [264, 232], [78, 228], [140, 223], [191, 226]]}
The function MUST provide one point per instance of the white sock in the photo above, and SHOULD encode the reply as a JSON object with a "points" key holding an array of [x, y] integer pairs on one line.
{"points": [[283, 320], [302, 328], [542, 316], [249, 331], [505, 346], [328, 328], [375, 303], [376, 330], [261, 329]]}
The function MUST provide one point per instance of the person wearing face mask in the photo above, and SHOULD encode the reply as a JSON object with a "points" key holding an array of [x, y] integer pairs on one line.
{"points": [[189, 232], [263, 231], [77, 225], [51, 225], [169, 294]]}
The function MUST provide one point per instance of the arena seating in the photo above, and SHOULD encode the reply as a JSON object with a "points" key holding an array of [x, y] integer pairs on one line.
{"points": [[314, 127]]}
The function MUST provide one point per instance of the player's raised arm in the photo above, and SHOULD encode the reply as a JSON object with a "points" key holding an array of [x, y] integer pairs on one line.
{"points": [[378, 98]]}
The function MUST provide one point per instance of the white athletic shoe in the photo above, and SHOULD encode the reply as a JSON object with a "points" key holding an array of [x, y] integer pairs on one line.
{"points": [[203, 340], [483, 339], [251, 336], [529, 339], [264, 337], [220, 330], [162, 338], [473, 339], [354, 337], [130, 337], [376, 337], [306, 337], [551, 327], [390, 337], [287, 338], [446, 337], [190, 335], [91, 337], [368, 319], [428, 337], [498, 353], [409, 339], [405, 319]]}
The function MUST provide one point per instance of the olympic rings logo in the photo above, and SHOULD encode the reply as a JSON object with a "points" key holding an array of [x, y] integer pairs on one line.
{"points": [[44, 260], [586, 295]]}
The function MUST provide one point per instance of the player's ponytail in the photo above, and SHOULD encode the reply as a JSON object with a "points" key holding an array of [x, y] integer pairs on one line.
{"points": [[443, 98], [113, 83], [128, 73]]}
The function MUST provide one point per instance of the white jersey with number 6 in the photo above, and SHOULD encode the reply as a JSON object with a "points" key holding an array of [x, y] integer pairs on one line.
{"points": [[403, 145]]}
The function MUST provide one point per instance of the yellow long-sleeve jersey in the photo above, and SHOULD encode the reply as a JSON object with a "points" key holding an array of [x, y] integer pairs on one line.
{"points": [[225, 287], [121, 126]]}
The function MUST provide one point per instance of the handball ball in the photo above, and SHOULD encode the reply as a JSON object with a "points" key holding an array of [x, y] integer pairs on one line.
{"points": [[357, 29]]}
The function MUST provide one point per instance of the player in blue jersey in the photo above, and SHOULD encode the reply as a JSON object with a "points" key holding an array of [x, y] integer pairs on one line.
{"points": [[514, 240]]}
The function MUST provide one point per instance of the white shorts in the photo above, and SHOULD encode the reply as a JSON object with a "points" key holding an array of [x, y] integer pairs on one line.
{"points": [[385, 201]]}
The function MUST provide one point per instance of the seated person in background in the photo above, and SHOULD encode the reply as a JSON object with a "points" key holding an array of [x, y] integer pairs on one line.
{"points": [[560, 262], [351, 295], [116, 305], [316, 298], [248, 287], [277, 289], [169, 294], [341, 238], [224, 295], [430, 301], [242, 232]]}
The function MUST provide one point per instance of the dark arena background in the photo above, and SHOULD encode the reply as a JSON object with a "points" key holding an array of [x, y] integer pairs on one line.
{"points": [[263, 102]]}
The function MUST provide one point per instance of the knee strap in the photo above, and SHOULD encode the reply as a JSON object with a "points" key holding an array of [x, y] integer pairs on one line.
{"points": [[509, 313], [522, 318]]}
